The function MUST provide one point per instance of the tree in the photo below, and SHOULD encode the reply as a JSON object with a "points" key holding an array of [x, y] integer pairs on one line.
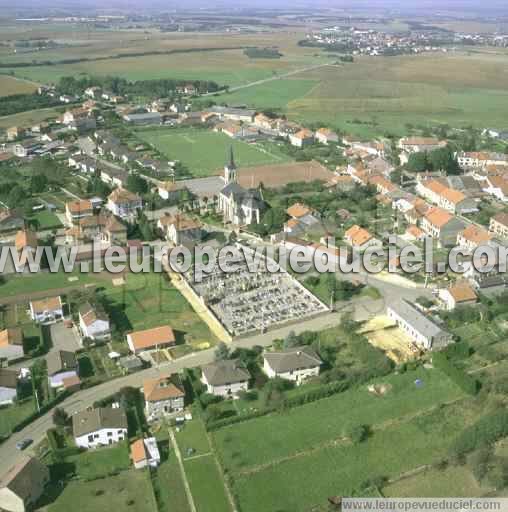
{"points": [[38, 183], [136, 184], [291, 340], [442, 159], [60, 417], [221, 352], [357, 434], [17, 196], [418, 162]]}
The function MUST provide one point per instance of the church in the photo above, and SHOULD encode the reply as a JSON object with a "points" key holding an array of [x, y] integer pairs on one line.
{"points": [[238, 205]]}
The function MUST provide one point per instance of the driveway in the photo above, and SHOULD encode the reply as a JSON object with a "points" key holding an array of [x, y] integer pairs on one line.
{"points": [[64, 338]]}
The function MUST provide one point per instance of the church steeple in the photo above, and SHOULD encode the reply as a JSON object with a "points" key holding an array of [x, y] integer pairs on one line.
{"points": [[230, 168]]}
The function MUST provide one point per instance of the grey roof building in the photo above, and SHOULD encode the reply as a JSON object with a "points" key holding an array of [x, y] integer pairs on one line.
{"points": [[222, 373], [61, 361], [292, 359], [94, 420], [422, 330]]}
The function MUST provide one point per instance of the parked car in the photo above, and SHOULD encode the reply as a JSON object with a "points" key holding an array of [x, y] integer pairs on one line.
{"points": [[23, 444]]}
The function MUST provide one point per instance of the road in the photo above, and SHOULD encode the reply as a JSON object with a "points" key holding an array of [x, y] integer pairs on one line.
{"points": [[271, 79]]}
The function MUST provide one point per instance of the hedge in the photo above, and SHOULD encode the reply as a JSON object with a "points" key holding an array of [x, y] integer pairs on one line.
{"points": [[485, 431], [465, 382]]}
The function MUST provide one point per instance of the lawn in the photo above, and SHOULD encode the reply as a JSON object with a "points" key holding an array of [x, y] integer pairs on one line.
{"points": [[28, 118], [169, 485], [130, 490], [452, 481], [13, 414], [149, 300], [275, 436], [45, 220], [193, 435], [205, 152], [101, 462], [207, 487]]}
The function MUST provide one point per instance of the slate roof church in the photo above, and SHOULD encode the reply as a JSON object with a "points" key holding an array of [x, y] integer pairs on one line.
{"points": [[238, 205]]}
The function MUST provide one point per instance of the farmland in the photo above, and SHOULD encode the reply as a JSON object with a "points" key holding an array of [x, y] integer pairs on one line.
{"points": [[204, 153], [290, 461], [9, 85]]}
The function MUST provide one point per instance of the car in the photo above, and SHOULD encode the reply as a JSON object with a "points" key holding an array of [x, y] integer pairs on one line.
{"points": [[25, 443]]}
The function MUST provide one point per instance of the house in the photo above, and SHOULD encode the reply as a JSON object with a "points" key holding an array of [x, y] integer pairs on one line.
{"points": [[461, 294], [143, 119], [171, 191], [26, 148], [94, 322], [472, 237], [302, 219], [99, 427], [238, 205], [151, 339], [233, 114], [414, 233], [23, 484], [163, 396], [62, 364], [499, 225], [480, 159], [447, 198], [123, 203], [72, 116], [15, 132], [359, 238], [296, 364], [225, 378], [180, 229], [419, 144], [8, 386], [10, 220], [104, 228], [497, 186], [442, 226], [46, 311], [264, 122], [302, 138], [144, 453], [423, 331], [326, 136], [94, 92], [77, 210], [11, 345]]}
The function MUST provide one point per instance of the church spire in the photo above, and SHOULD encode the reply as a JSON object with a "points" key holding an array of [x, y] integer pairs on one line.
{"points": [[231, 163]]}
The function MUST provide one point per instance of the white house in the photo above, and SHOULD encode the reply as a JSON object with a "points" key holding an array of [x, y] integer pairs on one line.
{"points": [[144, 453], [99, 427], [296, 364], [325, 136], [94, 323], [458, 295], [123, 204], [302, 138], [421, 329], [225, 378], [46, 311]]}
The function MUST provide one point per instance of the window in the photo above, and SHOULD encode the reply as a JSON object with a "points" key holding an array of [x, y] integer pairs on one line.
{"points": [[110, 434], [90, 438], [96, 436]]}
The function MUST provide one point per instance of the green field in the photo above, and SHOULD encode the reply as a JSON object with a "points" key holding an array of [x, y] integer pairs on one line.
{"points": [[193, 435], [207, 486], [45, 220], [13, 414], [95, 464], [295, 459], [130, 490], [204, 152]]}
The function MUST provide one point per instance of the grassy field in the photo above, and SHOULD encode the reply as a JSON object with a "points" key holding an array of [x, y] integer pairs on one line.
{"points": [[193, 435], [46, 220], [452, 481], [300, 483], [130, 490], [205, 152], [10, 416], [168, 480], [95, 464], [28, 118], [276, 436], [9, 86], [148, 300]]}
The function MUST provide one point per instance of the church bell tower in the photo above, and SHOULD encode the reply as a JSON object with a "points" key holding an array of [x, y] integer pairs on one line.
{"points": [[230, 168]]}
